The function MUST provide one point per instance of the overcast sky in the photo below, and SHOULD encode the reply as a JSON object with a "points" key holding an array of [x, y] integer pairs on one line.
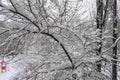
{"points": [[88, 5]]}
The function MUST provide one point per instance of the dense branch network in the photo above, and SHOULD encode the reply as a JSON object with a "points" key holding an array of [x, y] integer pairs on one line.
{"points": [[16, 12]]}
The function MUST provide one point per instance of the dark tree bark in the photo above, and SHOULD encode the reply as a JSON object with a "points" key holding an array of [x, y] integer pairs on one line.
{"points": [[99, 21], [114, 61]]}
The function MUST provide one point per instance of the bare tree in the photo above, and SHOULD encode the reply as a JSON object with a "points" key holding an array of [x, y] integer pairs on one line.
{"points": [[99, 26], [52, 19], [115, 36], [34, 14], [51, 29]]}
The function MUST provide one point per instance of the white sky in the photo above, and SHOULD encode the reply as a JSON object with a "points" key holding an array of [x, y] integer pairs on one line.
{"points": [[3, 1]]}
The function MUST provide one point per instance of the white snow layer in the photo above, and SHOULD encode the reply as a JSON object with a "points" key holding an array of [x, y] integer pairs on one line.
{"points": [[10, 73]]}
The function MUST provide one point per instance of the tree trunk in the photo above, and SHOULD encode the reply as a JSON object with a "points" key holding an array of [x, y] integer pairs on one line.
{"points": [[99, 21], [114, 61]]}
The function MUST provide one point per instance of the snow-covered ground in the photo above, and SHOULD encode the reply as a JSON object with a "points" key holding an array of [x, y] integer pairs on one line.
{"points": [[10, 73]]}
